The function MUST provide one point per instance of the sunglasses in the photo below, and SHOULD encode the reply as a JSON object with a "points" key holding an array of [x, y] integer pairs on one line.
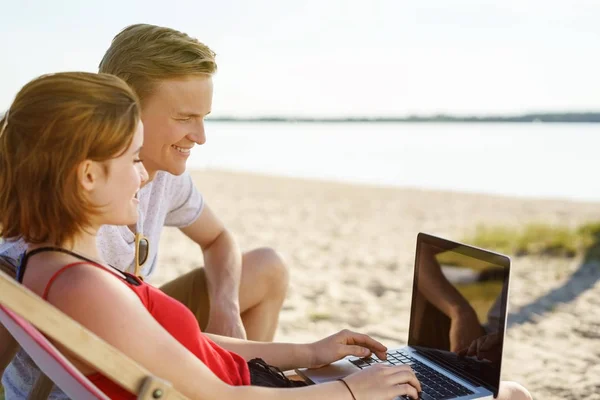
{"points": [[142, 249]]}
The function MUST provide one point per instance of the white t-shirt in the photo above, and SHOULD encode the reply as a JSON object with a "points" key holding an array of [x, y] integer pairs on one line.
{"points": [[168, 200]]}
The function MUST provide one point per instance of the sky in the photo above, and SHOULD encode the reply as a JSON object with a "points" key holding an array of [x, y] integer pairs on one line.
{"points": [[338, 58]]}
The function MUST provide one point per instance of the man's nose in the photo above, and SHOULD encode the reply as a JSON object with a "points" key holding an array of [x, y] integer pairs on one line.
{"points": [[198, 135]]}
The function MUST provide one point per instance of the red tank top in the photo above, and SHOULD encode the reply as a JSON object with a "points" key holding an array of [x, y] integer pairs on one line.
{"points": [[180, 322]]}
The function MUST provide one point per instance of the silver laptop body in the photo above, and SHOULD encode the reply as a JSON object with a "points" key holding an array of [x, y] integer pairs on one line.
{"points": [[481, 279]]}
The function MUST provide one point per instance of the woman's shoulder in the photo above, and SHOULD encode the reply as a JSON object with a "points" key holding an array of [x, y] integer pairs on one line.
{"points": [[89, 293], [47, 271]]}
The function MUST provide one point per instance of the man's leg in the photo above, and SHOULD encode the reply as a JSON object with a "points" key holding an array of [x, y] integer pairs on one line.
{"points": [[263, 288], [265, 281]]}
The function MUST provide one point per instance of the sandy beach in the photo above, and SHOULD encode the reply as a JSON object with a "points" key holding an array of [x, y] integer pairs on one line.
{"points": [[350, 250]]}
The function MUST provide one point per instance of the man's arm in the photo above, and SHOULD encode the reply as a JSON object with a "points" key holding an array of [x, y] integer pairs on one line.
{"points": [[434, 286], [223, 263]]}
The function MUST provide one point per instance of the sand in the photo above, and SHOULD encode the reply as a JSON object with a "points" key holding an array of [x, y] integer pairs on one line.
{"points": [[350, 250]]}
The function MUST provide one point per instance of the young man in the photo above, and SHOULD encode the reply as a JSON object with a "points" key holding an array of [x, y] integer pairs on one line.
{"points": [[235, 294], [238, 295]]}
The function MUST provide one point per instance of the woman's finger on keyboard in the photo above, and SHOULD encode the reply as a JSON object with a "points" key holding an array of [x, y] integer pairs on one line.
{"points": [[366, 341], [405, 374]]}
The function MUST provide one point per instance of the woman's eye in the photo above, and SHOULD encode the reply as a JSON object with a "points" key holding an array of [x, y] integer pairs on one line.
{"points": [[138, 160]]}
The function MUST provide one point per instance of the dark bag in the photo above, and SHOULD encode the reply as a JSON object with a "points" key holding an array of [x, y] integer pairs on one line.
{"points": [[263, 374]]}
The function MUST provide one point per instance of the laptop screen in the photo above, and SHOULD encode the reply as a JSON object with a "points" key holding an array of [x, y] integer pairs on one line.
{"points": [[458, 311]]}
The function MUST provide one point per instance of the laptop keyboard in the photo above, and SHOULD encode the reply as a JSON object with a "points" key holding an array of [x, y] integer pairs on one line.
{"points": [[435, 386]]}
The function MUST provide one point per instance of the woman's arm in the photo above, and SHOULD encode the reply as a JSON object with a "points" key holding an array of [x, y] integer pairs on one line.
{"points": [[379, 382], [285, 356], [326, 391]]}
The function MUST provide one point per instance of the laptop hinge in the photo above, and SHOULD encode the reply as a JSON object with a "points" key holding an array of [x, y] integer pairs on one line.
{"points": [[473, 380]]}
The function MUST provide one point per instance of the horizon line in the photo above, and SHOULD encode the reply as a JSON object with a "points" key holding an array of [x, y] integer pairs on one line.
{"points": [[582, 116]]}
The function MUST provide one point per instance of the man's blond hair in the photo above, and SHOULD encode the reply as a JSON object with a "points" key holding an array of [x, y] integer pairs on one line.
{"points": [[144, 54]]}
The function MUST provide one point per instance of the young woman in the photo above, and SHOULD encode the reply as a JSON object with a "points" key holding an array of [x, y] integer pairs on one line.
{"points": [[69, 163]]}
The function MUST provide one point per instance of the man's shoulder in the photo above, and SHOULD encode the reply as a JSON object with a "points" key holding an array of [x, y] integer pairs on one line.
{"points": [[12, 248], [10, 252]]}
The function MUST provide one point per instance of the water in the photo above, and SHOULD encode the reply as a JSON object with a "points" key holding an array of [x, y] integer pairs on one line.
{"points": [[531, 160]]}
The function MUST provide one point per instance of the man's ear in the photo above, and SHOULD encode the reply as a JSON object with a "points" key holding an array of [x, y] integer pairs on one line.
{"points": [[88, 174]]}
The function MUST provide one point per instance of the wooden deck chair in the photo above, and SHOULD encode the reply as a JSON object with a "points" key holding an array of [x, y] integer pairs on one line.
{"points": [[28, 318]]}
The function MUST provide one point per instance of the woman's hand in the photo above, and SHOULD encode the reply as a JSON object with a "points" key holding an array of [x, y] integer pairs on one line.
{"points": [[342, 344], [384, 382]]}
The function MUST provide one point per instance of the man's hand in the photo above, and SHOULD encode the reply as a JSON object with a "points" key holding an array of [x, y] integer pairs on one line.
{"points": [[226, 323], [342, 344], [464, 329]]}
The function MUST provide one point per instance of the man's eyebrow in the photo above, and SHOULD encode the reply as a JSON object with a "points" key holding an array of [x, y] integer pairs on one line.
{"points": [[192, 114]]}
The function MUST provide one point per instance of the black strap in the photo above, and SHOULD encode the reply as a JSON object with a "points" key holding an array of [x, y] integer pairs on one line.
{"points": [[21, 269], [263, 374]]}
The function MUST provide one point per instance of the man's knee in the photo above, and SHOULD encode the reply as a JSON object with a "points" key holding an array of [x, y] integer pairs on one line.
{"points": [[274, 269], [279, 272], [513, 391]]}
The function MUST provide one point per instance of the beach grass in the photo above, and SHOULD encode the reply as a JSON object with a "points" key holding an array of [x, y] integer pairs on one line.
{"points": [[539, 239], [319, 316]]}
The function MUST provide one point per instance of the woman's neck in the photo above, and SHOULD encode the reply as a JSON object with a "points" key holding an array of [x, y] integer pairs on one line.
{"points": [[83, 243]]}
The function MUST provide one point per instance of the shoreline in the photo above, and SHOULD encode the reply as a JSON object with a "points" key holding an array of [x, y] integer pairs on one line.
{"points": [[361, 184]]}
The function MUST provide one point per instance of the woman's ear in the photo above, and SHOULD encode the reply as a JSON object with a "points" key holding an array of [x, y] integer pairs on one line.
{"points": [[88, 174]]}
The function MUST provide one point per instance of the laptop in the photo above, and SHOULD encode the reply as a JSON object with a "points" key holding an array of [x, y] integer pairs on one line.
{"points": [[449, 278]]}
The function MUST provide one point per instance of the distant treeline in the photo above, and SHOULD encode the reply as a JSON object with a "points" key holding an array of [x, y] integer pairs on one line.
{"points": [[587, 117], [541, 117]]}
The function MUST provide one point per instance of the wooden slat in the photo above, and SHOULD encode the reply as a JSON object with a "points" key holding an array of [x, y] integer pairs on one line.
{"points": [[154, 388], [73, 336]]}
